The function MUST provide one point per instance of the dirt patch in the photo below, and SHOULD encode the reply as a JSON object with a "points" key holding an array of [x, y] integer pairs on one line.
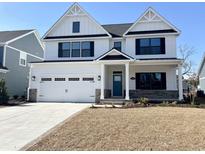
{"points": [[153, 128]]}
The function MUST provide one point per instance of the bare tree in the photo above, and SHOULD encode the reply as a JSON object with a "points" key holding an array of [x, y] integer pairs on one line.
{"points": [[185, 53]]}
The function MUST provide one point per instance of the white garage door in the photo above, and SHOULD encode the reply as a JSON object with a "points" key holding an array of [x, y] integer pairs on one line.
{"points": [[67, 89]]}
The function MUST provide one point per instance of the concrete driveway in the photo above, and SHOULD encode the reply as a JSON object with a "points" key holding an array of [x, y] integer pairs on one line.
{"points": [[19, 125]]}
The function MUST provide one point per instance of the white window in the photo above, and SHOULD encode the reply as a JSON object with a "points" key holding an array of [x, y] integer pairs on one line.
{"points": [[23, 58]]}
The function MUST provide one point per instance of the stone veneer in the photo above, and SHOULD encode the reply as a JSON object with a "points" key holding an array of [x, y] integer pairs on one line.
{"points": [[107, 94], [150, 94], [33, 95], [155, 94]]}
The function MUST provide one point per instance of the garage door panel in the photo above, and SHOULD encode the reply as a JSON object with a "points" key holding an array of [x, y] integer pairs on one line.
{"points": [[67, 91]]}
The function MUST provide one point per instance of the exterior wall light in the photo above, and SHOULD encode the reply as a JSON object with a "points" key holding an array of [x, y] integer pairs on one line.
{"points": [[99, 77], [33, 78]]}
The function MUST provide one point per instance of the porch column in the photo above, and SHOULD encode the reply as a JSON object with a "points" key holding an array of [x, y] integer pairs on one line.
{"points": [[180, 88], [127, 95], [102, 81]]}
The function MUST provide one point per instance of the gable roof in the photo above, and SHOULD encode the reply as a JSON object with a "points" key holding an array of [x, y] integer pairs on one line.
{"points": [[117, 30], [6, 36], [114, 54], [69, 12], [150, 9]]}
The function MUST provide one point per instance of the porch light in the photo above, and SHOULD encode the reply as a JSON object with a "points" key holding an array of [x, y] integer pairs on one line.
{"points": [[132, 78], [99, 77], [33, 78]]}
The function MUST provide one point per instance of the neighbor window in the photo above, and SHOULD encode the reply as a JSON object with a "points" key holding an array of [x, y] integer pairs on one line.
{"points": [[76, 27], [151, 81], [87, 49], [117, 45], [64, 49], [22, 59], [149, 46], [75, 49]]}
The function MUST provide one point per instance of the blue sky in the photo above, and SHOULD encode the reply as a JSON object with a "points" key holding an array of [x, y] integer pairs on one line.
{"points": [[188, 17]]}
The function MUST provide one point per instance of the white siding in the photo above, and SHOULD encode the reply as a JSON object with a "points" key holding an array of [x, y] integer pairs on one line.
{"points": [[147, 26], [170, 74], [170, 46], [51, 49], [87, 26]]}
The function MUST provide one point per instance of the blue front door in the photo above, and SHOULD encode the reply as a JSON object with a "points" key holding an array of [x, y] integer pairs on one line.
{"points": [[117, 84]]}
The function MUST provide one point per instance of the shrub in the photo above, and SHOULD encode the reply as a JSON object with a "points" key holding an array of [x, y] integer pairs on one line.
{"points": [[200, 93], [3, 93], [144, 101]]}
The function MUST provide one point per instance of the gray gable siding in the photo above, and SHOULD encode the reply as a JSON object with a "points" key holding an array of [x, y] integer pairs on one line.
{"points": [[29, 44], [17, 77]]}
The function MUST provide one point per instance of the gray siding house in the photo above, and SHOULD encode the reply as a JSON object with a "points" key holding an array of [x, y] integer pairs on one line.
{"points": [[17, 49]]}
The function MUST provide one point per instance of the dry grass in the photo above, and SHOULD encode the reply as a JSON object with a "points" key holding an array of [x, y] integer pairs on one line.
{"points": [[154, 128]]}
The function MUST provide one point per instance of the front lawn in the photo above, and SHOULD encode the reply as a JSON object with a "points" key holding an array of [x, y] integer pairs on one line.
{"points": [[152, 128]]}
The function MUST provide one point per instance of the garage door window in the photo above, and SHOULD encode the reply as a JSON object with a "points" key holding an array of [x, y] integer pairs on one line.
{"points": [[73, 79], [88, 79], [59, 79], [46, 79]]}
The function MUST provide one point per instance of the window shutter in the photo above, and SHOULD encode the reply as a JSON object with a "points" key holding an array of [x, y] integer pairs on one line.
{"points": [[164, 83], [162, 43], [137, 47], [60, 50], [92, 48], [137, 80]]}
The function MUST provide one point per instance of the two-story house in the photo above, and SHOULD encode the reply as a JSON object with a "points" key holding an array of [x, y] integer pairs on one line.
{"points": [[17, 49], [89, 62]]}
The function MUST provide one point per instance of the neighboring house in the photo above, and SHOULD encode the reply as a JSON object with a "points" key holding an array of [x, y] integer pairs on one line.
{"points": [[89, 62], [201, 75], [17, 49]]}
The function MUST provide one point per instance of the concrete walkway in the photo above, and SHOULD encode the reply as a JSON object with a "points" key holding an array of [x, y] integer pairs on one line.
{"points": [[19, 125]]}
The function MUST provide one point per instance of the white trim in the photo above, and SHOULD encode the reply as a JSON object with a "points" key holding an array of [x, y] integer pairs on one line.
{"points": [[25, 52], [127, 79], [80, 38], [161, 17], [114, 50], [201, 64], [202, 78], [4, 54], [147, 35], [3, 71], [39, 39], [19, 37], [65, 14]]}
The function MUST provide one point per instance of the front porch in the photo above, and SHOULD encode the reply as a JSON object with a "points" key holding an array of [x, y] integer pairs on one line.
{"points": [[118, 82]]}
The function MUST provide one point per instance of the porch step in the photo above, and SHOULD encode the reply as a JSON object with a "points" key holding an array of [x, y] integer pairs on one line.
{"points": [[113, 101]]}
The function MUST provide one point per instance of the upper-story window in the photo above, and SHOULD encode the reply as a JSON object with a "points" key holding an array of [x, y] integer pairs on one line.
{"points": [[76, 27], [150, 46], [64, 49], [118, 45], [76, 49], [87, 49], [1, 55], [75, 52]]}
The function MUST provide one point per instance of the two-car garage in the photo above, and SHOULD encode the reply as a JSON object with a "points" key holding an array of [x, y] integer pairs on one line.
{"points": [[68, 88]]}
